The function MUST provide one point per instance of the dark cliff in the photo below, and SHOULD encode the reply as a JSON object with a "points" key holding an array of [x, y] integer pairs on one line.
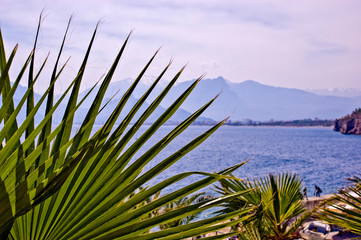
{"points": [[350, 124]]}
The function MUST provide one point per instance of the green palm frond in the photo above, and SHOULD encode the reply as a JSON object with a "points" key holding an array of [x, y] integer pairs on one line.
{"points": [[55, 185], [276, 201], [344, 209], [249, 232]]}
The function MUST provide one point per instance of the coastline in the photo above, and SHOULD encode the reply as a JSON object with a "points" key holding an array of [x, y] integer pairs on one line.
{"points": [[276, 126]]}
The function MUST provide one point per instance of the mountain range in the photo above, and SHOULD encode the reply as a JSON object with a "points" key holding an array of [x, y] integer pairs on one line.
{"points": [[340, 92], [252, 100], [245, 100]]}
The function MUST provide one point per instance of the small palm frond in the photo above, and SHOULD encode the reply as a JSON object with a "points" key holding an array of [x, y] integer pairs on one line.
{"points": [[344, 209], [276, 201]]}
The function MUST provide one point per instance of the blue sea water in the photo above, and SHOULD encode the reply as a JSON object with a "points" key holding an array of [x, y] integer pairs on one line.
{"points": [[318, 155]]}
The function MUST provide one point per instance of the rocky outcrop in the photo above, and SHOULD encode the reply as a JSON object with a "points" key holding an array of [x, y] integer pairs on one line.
{"points": [[350, 124]]}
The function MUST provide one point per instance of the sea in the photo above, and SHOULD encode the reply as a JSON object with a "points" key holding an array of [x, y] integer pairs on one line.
{"points": [[319, 155]]}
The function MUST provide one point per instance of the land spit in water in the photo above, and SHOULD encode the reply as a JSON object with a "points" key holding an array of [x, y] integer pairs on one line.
{"points": [[350, 124]]}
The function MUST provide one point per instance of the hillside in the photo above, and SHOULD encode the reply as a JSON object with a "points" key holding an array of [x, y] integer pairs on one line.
{"points": [[252, 100]]}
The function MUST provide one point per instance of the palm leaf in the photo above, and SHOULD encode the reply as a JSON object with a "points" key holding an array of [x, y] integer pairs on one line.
{"points": [[344, 209], [276, 199], [57, 186]]}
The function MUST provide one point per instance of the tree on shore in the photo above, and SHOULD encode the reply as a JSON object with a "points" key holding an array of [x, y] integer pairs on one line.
{"points": [[276, 201]]}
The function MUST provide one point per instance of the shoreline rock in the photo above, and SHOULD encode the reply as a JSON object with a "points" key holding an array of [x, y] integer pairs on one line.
{"points": [[350, 124]]}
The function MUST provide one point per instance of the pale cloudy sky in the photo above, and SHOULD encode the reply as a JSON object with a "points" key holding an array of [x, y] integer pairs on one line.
{"points": [[299, 44]]}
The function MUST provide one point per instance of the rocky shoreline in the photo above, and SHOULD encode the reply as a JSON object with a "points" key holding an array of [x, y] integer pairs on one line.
{"points": [[350, 124]]}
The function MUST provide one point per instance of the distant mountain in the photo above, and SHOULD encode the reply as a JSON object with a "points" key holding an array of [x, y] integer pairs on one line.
{"points": [[112, 97], [245, 100], [225, 104], [339, 92], [178, 116], [252, 100], [117, 89]]}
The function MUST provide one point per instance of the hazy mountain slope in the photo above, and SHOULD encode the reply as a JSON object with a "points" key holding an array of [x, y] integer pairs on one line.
{"points": [[226, 103], [117, 89], [267, 102], [178, 116], [245, 100], [339, 92], [252, 100]]}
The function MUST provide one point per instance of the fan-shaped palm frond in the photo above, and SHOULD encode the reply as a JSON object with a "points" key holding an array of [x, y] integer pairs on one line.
{"points": [[276, 201], [344, 209], [57, 186]]}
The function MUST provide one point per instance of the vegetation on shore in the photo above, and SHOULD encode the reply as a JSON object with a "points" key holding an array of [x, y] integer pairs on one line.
{"points": [[271, 123], [275, 200], [290, 123], [350, 124]]}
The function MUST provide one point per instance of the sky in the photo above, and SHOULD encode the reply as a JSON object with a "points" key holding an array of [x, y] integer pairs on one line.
{"points": [[294, 44]]}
